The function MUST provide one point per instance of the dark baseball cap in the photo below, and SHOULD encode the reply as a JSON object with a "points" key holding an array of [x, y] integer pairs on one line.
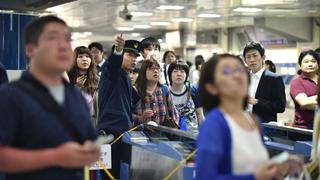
{"points": [[132, 46]]}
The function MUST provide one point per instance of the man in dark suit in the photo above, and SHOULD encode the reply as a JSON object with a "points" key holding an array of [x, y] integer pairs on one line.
{"points": [[266, 90]]}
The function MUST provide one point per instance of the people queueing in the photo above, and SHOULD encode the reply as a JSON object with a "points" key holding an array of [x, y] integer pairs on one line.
{"points": [[303, 89], [266, 91], [45, 128]]}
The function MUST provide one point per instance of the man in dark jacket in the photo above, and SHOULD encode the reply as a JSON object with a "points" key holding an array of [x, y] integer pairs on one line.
{"points": [[266, 91], [115, 95], [3, 74]]}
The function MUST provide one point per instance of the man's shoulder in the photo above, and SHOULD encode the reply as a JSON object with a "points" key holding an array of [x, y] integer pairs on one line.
{"points": [[271, 74]]}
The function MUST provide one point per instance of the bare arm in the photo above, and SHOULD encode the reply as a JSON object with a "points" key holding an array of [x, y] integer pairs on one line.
{"points": [[200, 116], [306, 102], [67, 155], [18, 160]]}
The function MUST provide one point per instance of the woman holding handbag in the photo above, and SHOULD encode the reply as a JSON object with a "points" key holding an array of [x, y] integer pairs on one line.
{"points": [[156, 102]]}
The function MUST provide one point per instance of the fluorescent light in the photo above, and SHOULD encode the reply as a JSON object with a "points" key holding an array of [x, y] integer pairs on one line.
{"points": [[160, 23], [141, 13], [170, 7], [249, 10], [204, 15], [87, 33], [141, 26], [135, 34], [125, 28], [160, 40], [182, 20]]}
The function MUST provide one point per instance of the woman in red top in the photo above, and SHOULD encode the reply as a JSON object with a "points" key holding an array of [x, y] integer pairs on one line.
{"points": [[303, 89]]}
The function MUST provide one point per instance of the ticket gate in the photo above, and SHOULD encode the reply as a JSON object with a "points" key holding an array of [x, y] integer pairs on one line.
{"points": [[156, 151], [286, 138]]}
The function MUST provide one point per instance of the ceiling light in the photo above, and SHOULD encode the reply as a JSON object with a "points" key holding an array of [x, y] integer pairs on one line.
{"points": [[87, 33], [182, 20], [204, 15], [160, 23], [142, 26], [248, 10], [135, 34], [160, 40], [170, 7], [141, 13], [125, 28]]}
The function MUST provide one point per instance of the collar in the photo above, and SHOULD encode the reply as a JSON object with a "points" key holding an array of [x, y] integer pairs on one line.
{"points": [[259, 73], [27, 76], [101, 63], [305, 77]]}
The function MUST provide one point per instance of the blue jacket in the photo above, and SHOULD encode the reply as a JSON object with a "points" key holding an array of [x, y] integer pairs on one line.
{"points": [[115, 96], [214, 160]]}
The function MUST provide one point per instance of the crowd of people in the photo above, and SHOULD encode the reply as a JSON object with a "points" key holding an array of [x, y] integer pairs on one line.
{"points": [[50, 117]]}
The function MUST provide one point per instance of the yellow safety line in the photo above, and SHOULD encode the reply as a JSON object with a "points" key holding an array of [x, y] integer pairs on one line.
{"points": [[105, 170], [86, 173], [180, 165]]}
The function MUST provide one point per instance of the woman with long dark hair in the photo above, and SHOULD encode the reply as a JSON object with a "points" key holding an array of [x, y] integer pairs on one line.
{"points": [[230, 143], [303, 89], [84, 75], [156, 102]]}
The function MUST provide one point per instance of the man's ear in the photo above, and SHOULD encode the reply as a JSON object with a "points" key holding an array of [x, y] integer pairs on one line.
{"points": [[29, 48], [211, 88], [263, 58]]}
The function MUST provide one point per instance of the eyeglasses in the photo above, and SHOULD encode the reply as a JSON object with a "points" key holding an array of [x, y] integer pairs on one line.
{"points": [[154, 69], [229, 71]]}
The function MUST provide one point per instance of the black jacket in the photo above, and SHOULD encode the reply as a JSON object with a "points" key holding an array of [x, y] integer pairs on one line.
{"points": [[3, 75], [271, 97]]}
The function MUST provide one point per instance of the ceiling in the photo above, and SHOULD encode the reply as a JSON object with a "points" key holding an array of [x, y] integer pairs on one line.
{"points": [[98, 20]]}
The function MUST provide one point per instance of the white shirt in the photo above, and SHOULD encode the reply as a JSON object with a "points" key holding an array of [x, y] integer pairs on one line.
{"points": [[57, 92], [162, 76], [255, 79], [101, 63], [248, 152]]}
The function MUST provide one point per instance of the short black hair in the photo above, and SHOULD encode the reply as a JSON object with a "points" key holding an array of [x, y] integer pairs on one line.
{"points": [[253, 46], [149, 41], [96, 45], [272, 66], [178, 65], [311, 53], [34, 28], [207, 75]]}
